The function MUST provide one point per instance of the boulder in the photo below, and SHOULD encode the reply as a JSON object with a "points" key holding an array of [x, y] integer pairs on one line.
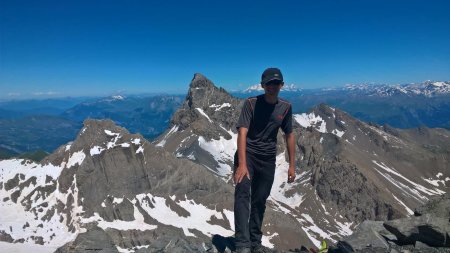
{"points": [[429, 229]]}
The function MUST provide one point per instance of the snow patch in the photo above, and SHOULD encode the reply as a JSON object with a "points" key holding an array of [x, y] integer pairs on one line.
{"points": [[171, 131], [124, 145], [108, 132], [265, 240], [281, 187], [118, 97], [222, 150], [137, 224], [160, 211], [112, 143], [117, 200], [76, 158], [344, 228], [413, 189], [434, 182], [96, 150], [140, 150], [338, 133], [311, 120], [410, 212], [204, 114], [310, 227], [218, 107], [52, 229]]}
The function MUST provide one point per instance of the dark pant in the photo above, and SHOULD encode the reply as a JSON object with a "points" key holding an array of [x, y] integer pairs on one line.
{"points": [[250, 199]]}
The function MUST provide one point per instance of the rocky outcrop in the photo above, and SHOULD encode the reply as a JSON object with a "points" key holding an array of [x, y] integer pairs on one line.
{"points": [[342, 185], [204, 104], [427, 232], [95, 240]]}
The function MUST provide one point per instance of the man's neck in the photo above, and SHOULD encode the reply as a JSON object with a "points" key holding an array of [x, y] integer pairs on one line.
{"points": [[270, 98]]}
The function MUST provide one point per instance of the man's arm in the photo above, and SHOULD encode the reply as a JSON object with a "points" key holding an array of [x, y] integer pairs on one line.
{"points": [[290, 145], [242, 169]]}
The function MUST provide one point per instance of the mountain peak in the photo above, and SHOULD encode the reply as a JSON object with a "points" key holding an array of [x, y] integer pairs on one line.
{"points": [[200, 81], [206, 104]]}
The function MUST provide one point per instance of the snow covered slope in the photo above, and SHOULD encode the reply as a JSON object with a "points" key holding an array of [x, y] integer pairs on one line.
{"points": [[428, 88], [112, 180]]}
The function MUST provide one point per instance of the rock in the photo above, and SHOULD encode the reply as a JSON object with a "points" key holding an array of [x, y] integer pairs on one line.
{"points": [[356, 197], [368, 234], [421, 245], [95, 240], [5, 237], [434, 231], [438, 207]]}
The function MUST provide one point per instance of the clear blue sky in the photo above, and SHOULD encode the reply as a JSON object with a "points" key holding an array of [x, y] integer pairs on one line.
{"points": [[101, 47]]}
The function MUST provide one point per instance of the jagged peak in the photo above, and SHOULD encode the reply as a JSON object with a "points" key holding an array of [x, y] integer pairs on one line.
{"points": [[95, 125], [97, 132], [207, 103], [200, 81], [325, 108], [202, 90]]}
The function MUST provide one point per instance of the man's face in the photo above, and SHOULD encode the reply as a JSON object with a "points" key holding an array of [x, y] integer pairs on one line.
{"points": [[273, 87]]}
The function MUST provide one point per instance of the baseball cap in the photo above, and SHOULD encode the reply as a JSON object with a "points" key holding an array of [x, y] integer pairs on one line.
{"points": [[271, 74]]}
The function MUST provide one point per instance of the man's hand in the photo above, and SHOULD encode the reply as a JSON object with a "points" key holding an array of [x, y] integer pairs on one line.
{"points": [[291, 174], [241, 172]]}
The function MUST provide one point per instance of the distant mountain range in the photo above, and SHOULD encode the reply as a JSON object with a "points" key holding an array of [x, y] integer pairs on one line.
{"points": [[56, 121], [402, 106], [428, 89], [258, 88]]}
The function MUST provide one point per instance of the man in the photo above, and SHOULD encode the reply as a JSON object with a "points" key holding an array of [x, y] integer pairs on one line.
{"points": [[254, 163]]}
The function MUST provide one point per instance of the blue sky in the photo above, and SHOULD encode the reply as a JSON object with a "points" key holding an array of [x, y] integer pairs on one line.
{"points": [[61, 48]]}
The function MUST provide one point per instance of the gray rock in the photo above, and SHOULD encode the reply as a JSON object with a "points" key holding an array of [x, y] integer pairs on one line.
{"points": [[369, 234], [434, 231], [94, 240], [421, 245], [357, 198], [438, 207]]}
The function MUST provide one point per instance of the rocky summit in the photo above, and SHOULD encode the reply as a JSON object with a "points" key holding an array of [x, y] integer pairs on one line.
{"points": [[112, 191]]}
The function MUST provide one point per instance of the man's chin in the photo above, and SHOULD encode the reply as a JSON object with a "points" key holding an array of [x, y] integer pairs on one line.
{"points": [[272, 93]]}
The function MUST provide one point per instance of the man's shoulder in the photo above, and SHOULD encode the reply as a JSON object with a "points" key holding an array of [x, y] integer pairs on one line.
{"points": [[252, 98], [284, 102]]}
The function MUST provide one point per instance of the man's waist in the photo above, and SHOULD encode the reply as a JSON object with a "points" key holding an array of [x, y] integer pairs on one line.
{"points": [[267, 151]]}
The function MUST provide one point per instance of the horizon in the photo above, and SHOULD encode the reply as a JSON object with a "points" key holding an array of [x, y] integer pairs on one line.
{"points": [[57, 96], [57, 49]]}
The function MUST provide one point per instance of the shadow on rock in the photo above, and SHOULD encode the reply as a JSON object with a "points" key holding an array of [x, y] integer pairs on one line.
{"points": [[222, 243], [341, 247]]}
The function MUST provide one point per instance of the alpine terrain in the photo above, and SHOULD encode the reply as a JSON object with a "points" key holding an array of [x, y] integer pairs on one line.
{"points": [[112, 191]]}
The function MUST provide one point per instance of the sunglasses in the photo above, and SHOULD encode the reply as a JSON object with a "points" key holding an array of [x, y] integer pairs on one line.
{"points": [[274, 83]]}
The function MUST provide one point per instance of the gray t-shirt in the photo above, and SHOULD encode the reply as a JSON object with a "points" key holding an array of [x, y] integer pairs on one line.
{"points": [[263, 121]]}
